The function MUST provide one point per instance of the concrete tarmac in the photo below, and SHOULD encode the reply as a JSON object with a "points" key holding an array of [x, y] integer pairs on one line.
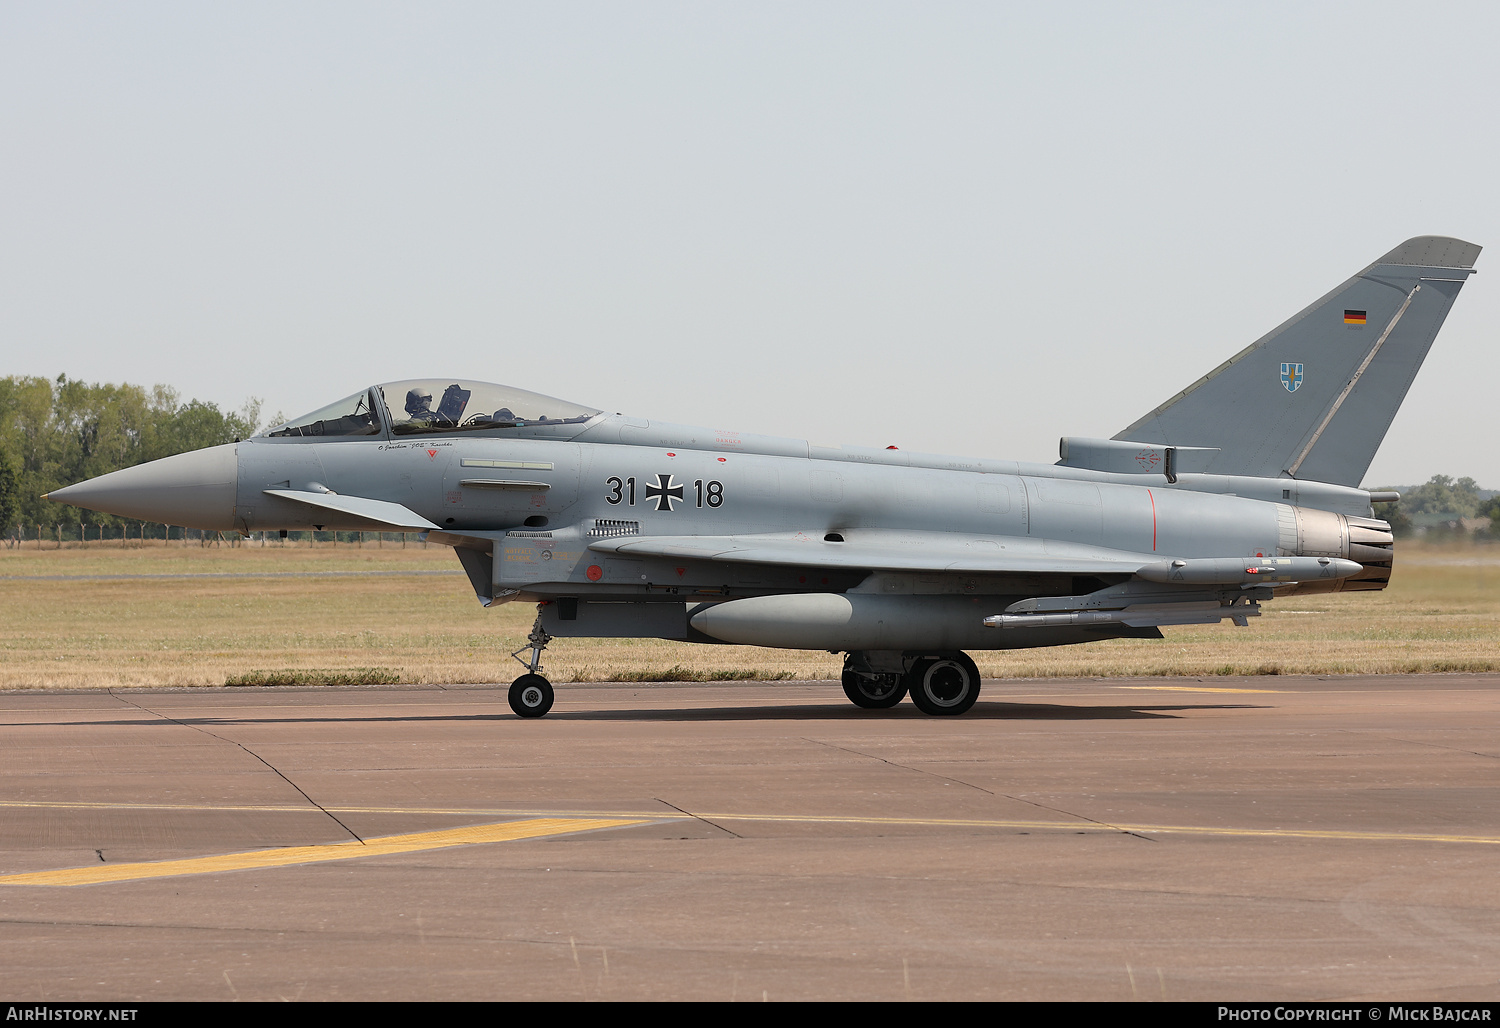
{"points": [[1264, 838]]}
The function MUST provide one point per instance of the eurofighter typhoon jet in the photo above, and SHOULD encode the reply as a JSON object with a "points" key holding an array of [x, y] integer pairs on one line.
{"points": [[1241, 488]]}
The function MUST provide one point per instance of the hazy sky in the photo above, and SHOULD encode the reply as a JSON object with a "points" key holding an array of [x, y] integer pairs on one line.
{"points": [[963, 228]]}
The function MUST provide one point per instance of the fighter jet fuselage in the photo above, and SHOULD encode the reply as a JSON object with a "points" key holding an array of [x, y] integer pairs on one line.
{"points": [[616, 526]]}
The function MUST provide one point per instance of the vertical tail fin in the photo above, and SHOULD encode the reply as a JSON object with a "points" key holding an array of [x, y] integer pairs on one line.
{"points": [[1313, 398]]}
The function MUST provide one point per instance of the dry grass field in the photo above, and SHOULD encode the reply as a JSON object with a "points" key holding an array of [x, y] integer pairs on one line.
{"points": [[77, 617]]}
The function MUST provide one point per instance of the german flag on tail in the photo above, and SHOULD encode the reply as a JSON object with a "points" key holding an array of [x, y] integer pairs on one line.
{"points": [[1354, 318]]}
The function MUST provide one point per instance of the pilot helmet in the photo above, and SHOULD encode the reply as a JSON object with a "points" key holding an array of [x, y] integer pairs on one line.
{"points": [[418, 401]]}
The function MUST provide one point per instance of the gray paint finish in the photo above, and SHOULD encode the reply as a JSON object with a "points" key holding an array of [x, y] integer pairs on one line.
{"points": [[623, 526]]}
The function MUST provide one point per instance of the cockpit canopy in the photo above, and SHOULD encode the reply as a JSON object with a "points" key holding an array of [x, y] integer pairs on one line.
{"points": [[442, 405], [434, 406]]}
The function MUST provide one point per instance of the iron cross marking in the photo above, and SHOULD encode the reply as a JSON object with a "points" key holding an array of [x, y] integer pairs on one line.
{"points": [[664, 492]]}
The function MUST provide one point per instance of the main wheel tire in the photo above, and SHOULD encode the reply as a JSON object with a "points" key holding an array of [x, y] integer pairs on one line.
{"points": [[946, 684], [869, 693], [531, 696]]}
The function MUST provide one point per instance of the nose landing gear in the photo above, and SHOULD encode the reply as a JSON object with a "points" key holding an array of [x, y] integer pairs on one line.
{"points": [[531, 695]]}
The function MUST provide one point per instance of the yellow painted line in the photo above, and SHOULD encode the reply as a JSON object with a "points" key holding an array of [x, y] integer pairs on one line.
{"points": [[1191, 688], [417, 841], [895, 822]]}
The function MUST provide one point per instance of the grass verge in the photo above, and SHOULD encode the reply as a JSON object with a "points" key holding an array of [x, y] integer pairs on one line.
{"points": [[317, 676], [100, 618], [682, 673]]}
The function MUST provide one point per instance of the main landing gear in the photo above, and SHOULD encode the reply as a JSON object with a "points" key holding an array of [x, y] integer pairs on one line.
{"points": [[939, 683], [531, 694], [873, 690]]}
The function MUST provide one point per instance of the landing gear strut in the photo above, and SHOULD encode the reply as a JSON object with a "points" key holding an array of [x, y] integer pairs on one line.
{"points": [[531, 694]]}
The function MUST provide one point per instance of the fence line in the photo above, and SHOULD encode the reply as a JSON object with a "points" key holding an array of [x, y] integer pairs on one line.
{"points": [[40, 537]]}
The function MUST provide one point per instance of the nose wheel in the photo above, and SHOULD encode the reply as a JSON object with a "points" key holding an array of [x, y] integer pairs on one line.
{"points": [[531, 696]]}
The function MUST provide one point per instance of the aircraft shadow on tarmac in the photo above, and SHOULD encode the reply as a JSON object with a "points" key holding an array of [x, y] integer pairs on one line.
{"points": [[991, 711]]}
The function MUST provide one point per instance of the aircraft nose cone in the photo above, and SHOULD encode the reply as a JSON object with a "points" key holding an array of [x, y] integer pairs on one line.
{"points": [[195, 490]]}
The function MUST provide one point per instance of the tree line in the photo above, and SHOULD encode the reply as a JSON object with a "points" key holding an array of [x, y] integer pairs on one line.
{"points": [[1440, 506], [55, 432]]}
